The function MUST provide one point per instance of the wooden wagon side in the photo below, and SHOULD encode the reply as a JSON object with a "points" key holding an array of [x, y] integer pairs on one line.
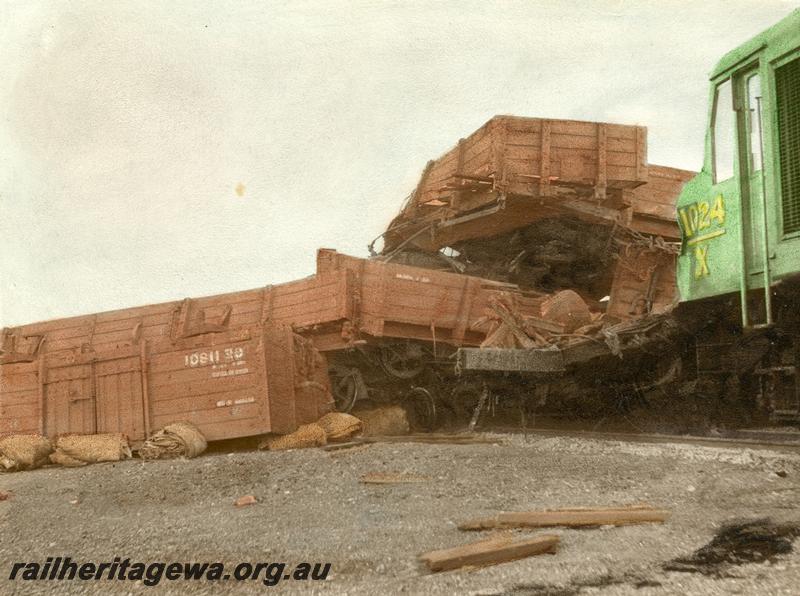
{"points": [[229, 382], [652, 206], [378, 300], [563, 164]]}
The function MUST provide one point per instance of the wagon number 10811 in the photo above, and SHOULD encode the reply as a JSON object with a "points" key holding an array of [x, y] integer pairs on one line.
{"points": [[213, 356]]}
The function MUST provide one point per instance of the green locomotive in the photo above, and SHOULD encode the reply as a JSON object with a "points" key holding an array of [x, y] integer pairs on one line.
{"points": [[739, 265]]}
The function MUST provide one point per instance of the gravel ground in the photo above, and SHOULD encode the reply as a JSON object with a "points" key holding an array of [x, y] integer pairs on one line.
{"points": [[312, 507]]}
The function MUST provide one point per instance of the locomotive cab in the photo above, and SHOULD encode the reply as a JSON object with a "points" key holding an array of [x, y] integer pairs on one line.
{"points": [[739, 265], [740, 217]]}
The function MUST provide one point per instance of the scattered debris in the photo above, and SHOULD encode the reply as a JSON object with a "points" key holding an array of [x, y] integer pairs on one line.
{"points": [[490, 551], [308, 435], [391, 478], [574, 518], [568, 309], [438, 438], [180, 439], [79, 450], [23, 452], [737, 543], [245, 501], [339, 426], [344, 446], [432, 438], [5, 495], [383, 421], [505, 327]]}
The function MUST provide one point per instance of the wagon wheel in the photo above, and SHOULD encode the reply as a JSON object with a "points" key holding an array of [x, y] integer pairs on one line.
{"points": [[421, 407], [464, 398], [403, 361], [345, 384]]}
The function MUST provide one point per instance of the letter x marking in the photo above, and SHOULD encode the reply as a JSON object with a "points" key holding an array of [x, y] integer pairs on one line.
{"points": [[701, 266]]}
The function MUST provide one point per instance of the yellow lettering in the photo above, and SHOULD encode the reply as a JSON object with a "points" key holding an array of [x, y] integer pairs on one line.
{"points": [[693, 217], [703, 221], [718, 211], [687, 226], [701, 261]]}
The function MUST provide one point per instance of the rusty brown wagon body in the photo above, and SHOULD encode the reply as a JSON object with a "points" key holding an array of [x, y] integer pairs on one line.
{"points": [[352, 300], [136, 370], [550, 205], [231, 363], [513, 171], [652, 207], [644, 272]]}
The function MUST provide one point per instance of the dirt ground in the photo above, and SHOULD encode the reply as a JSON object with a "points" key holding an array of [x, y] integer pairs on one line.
{"points": [[312, 507]]}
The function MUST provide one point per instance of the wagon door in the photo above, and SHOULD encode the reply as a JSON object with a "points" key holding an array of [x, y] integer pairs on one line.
{"points": [[69, 400], [119, 396]]}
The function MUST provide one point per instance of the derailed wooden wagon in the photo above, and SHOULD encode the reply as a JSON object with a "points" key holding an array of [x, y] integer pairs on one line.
{"points": [[244, 363], [513, 171], [389, 331], [553, 206], [134, 371], [549, 205]]}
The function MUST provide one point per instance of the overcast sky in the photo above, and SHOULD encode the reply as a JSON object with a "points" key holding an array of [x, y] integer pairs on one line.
{"points": [[127, 127]]}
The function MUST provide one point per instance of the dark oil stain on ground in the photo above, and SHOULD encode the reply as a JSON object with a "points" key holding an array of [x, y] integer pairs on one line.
{"points": [[737, 543]]}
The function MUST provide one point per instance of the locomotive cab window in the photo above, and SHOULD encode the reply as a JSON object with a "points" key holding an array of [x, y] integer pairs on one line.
{"points": [[723, 146]]}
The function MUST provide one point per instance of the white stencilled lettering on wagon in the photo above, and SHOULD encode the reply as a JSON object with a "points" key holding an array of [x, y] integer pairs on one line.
{"points": [[229, 372], [216, 358], [423, 279], [203, 358], [227, 403]]}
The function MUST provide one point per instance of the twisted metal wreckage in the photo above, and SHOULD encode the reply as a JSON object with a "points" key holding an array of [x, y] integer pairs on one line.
{"points": [[534, 261]]}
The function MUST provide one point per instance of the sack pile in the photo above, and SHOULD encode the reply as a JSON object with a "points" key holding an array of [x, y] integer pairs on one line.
{"points": [[308, 435], [79, 450], [384, 421], [23, 452], [339, 426], [180, 439]]}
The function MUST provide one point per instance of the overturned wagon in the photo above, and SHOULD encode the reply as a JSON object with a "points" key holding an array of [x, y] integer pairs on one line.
{"points": [[389, 331], [136, 370], [243, 363], [352, 301], [489, 183]]}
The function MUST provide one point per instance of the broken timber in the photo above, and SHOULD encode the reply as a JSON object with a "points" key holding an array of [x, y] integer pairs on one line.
{"points": [[489, 551], [573, 518], [429, 438]]}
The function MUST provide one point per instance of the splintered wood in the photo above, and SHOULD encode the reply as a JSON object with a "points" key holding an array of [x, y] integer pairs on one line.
{"points": [[489, 551], [427, 438], [572, 518]]}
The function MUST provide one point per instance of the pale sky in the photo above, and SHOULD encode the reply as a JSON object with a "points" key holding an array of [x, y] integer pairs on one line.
{"points": [[126, 127]]}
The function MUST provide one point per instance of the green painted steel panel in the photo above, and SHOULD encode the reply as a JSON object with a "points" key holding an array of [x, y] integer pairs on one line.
{"points": [[724, 223]]}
